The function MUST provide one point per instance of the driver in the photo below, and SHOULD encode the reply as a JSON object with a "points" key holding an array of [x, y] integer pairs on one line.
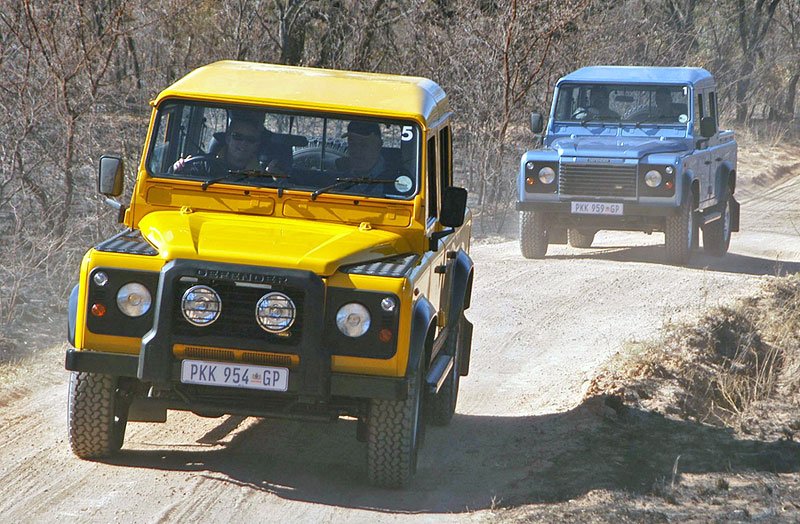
{"points": [[598, 103], [240, 151]]}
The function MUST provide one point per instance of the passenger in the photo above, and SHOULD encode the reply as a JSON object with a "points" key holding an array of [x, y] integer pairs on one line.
{"points": [[239, 151], [364, 144]]}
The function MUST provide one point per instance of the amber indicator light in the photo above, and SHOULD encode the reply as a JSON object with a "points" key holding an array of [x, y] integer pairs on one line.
{"points": [[98, 310]]}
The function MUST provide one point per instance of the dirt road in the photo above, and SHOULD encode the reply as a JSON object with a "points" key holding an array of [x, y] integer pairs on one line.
{"points": [[542, 330]]}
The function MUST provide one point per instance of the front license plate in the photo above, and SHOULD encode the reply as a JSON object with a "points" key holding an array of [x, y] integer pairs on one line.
{"points": [[596, 208], [234, 375]]}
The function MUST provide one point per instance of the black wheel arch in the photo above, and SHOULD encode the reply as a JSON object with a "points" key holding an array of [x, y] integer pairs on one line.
{"points": [[423, 327], [72, 315], [463, 273]]}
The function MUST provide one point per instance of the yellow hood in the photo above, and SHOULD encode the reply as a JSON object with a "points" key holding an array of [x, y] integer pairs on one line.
{"points": [[315, 246]]}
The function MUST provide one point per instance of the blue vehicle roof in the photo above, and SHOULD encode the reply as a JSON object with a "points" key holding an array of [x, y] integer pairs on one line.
{"points": [[696, 76]]}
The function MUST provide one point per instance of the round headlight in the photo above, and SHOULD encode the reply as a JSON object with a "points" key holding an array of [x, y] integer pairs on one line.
{"points": [[352, 319], [134, 299], [652, 178], [201, 305], [547, 175], [275, 312]]}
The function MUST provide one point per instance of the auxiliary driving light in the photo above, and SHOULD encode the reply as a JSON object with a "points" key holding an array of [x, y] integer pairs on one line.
{"points": [[201, 305], [275, 312]]}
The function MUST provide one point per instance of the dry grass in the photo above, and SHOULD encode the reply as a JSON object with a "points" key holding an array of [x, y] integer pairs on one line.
{"points": [[718, 368]]}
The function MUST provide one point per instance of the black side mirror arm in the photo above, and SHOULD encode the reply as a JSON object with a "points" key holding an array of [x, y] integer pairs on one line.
{"points": [[438, 235]]}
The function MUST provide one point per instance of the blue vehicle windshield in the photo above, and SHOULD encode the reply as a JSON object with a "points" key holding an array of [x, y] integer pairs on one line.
{"points": [[629, 104]]}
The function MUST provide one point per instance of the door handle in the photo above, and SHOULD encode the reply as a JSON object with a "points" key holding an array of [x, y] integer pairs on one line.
{"points": [[718, 159], [440, 270], [707, 162]]}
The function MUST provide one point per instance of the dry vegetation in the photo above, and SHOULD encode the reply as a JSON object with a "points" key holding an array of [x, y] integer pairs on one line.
{"points": [[721, 369], [700, 425]]}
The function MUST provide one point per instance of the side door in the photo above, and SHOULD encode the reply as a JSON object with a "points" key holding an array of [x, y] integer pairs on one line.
{"points": [[435, 254], [704, 151], [720, 152], [446, 264]]}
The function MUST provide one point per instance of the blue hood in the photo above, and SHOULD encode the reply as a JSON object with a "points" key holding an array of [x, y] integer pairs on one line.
{"points": [[616, 146]]}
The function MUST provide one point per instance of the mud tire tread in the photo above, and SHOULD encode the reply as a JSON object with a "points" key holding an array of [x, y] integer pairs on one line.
{"points": [[578, 239], [93, 432], [715, 242], [676, 233], [532, 234], [391, 447]]}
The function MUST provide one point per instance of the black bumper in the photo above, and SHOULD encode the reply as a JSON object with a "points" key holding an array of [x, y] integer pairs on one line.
{"points": [[341, 384], [636, 217]]}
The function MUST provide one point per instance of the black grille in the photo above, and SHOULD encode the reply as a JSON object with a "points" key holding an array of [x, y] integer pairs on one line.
{"points": [[238, 316], [597, 180]]}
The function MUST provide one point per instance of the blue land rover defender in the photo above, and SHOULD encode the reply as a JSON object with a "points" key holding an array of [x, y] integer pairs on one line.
{"points": [[635, 149]]}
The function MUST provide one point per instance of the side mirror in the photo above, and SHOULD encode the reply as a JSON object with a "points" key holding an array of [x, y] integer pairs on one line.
{"points": [[454, 206], [537, 124], [707, 127], [111, 177]]}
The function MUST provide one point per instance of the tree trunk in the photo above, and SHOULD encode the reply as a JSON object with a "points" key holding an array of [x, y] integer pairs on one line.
{"points": [[791, 94]]}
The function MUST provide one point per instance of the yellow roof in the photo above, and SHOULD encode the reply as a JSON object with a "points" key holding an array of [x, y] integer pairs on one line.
{"points": [[311, 88]]}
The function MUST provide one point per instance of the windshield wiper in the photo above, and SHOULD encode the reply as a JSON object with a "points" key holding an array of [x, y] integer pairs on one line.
{"points": [[349, 181], [647, 120], [243, 174]]}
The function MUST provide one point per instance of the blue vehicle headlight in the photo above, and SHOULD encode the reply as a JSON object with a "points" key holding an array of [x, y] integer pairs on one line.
{"points": [[653, 178], [547, 174]]}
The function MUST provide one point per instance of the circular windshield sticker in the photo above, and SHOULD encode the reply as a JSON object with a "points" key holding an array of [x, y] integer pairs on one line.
{"points": [[403, 184], [683, 119]]}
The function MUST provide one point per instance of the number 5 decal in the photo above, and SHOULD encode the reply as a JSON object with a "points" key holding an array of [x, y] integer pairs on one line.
{"points": [[407, 133]]}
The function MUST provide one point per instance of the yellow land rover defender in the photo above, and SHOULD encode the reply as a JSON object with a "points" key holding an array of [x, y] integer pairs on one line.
{"points": [[294, 248]]}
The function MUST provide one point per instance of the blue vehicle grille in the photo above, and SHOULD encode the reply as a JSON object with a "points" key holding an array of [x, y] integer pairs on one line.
{"points": [[597, 180]]}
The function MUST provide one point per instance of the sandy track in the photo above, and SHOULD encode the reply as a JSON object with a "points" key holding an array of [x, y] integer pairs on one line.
{"points": [[542, 330]]}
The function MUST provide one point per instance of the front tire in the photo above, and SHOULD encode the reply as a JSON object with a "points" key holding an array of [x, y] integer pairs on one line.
{"points": [[394, 433], [680, 233], [580, 237], [717, 234], [96, 415], [532, 234]]}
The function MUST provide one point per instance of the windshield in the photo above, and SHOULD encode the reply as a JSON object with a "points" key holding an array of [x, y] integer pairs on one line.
{"points": [[654, 104], [216, 144]]}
